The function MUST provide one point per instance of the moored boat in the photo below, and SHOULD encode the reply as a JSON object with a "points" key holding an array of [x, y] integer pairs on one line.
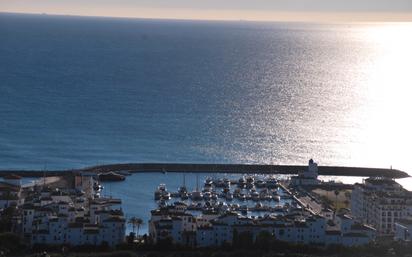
{"points": [[111, 176]]}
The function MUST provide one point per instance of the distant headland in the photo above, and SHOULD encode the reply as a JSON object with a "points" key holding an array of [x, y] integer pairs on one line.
{"points": [[217, 168]]}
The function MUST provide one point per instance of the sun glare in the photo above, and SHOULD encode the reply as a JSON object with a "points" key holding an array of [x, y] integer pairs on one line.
{"points": [[385, 135]]}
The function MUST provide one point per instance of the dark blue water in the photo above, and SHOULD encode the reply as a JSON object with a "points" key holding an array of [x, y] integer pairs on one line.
{"points": [[77, 92]]}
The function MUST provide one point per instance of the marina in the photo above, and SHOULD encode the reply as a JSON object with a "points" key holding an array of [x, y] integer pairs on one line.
{"points": [[208, 210], [203, 192], [145, 184], [249, 195]]}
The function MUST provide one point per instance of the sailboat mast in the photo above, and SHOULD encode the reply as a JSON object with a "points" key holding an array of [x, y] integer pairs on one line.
{"points": [[197, 182], [184, 179]]}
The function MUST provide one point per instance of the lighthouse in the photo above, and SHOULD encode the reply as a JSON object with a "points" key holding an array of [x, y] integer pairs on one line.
{"points": [[308, 177]]}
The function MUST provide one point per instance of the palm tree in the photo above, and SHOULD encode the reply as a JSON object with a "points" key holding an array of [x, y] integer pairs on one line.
{"points": [[135, 222], [336, 200], [139, 222]]}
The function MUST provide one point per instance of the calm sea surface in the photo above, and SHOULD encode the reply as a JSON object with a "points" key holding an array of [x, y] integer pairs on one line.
{"points": [[76, 92]]}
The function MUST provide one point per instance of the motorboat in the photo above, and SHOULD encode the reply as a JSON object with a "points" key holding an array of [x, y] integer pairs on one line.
{"points": [[207, 196], [229, 196], [260, 184], [242, 197], [161, 192], [196, 196], [111, 176], [255, 196], [226, 183], [214, 196], [243, 209], [241, 183], [272, 183]]}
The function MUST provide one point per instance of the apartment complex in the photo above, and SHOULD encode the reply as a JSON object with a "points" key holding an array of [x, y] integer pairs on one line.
{"points": [[214, 229], [381, 202], [56, 216]]}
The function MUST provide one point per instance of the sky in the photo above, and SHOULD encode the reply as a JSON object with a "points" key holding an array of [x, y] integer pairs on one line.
{"points": [[299, 10]]}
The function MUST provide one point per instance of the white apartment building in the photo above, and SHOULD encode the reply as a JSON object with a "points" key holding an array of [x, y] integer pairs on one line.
{"points": [[403, 230], [56, 217], [183, 228], [10, 189], [381, 202]]}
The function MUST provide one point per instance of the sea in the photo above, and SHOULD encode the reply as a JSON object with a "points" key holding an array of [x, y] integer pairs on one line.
{"points": [[84, 91]]}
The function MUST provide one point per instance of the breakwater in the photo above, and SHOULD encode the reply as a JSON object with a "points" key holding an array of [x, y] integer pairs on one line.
{"points": [[217, 168]]}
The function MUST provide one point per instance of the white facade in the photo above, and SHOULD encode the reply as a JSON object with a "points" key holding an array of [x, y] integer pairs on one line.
{"points": [[403, 230], [312, 229], [381, 203], [10, 190], [56, 218]]}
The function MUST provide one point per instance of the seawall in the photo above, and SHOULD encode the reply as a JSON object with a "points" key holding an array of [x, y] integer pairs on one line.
{"points": [[217, 168]]}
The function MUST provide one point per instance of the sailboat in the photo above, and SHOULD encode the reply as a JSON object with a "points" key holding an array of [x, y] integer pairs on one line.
{"points": [[196, 195], [183, 190]]}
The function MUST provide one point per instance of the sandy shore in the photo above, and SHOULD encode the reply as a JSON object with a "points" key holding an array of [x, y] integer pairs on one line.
{"points": [[44, 181]]}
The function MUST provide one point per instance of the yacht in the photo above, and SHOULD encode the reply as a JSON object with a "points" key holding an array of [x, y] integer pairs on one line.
{"points": [[260, 184], [184, 196], [260, 207], [229, 196], [250, 180], [243, 209], [276, 197], [265, 195], [161, 192], [207, 196], [183, 190], [278, 208], [111, 176], [219, 183], [236, 192], [196, 195], [241, 183], [208, 186], [255, 196], [226, 183], [272, 183], [242, 197]]}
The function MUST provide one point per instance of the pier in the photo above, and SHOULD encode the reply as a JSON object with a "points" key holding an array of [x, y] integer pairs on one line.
{"points": [[217, 168]]}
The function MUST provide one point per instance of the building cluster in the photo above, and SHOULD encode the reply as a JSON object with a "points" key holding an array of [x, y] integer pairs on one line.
{"points": [[70, 216], [10, 191], [382, 203], [308, 177], [213, 229]]}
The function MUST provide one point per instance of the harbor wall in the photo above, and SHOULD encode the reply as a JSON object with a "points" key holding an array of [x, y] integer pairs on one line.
{"points": [[217, 168]]}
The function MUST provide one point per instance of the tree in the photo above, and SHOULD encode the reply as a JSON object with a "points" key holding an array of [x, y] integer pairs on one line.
{"points": [[244, 240], [336, 202], [6, 217], [136, 223], [264, 240], [139, 222]]}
